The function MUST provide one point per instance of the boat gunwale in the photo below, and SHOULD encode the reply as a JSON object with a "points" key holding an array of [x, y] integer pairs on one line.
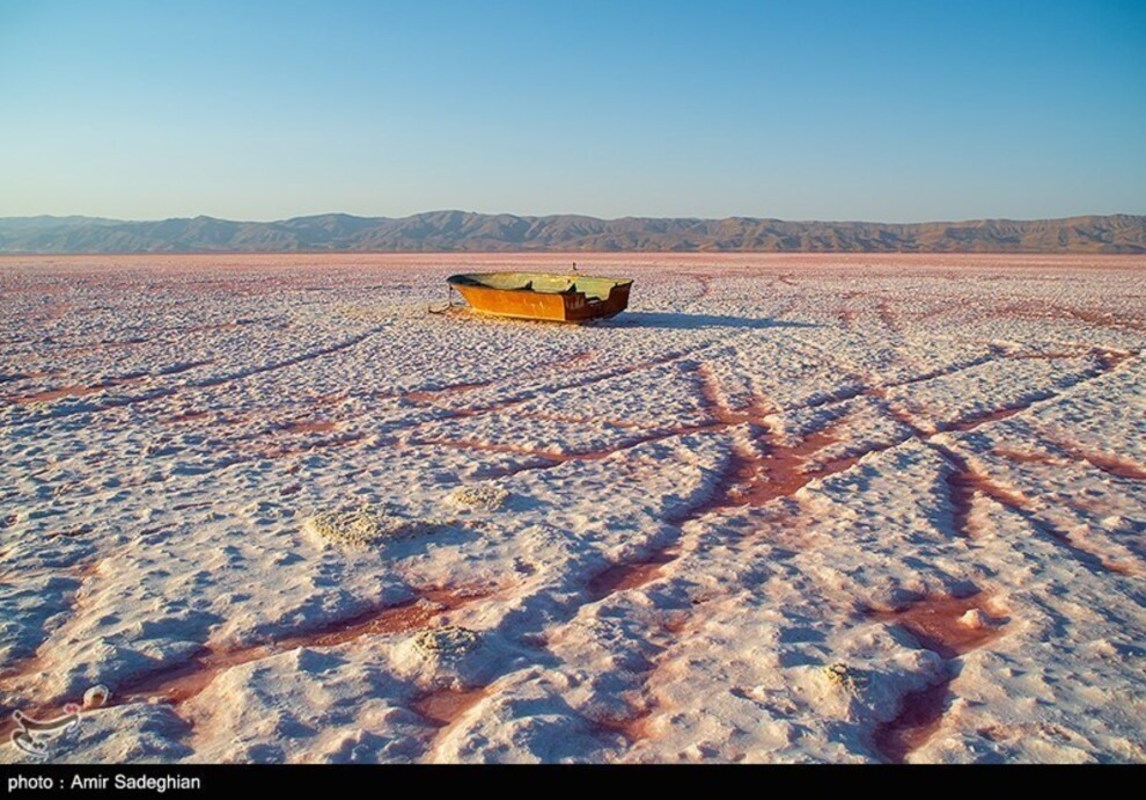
{"points": [[473, 279]]}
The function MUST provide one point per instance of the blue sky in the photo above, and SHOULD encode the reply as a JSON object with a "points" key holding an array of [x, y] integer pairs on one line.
{"points": [[875, 110]]}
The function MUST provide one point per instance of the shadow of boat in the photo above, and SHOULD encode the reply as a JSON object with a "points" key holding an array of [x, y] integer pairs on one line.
{"points": [[682, 321]]}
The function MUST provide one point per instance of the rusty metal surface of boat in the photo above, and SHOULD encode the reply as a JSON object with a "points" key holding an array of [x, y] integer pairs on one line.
{"points": [[542, 295]]}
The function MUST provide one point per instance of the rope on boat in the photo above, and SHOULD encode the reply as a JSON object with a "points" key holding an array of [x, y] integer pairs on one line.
{"points": [[447, 307]]}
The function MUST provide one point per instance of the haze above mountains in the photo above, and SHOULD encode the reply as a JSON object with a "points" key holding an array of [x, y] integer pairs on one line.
{"points": [[465, 231]]}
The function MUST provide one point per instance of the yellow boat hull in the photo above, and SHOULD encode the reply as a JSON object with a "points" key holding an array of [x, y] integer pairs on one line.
{"points": [[543, 296]]}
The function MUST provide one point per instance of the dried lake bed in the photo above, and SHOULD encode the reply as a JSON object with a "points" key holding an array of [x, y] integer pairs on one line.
{"points": [[786, 508]]}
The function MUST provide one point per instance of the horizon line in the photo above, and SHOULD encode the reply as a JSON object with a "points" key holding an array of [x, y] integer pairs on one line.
{"points": [[568, 214]]}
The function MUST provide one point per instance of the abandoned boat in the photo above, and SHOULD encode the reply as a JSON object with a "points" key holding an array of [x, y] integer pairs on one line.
{"points": [[540, 295]]}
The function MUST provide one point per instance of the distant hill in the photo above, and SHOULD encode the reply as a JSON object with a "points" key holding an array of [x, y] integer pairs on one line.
{"points": [[463, 231]]}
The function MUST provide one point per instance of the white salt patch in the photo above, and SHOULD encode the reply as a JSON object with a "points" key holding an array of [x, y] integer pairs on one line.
{"points": [[973, 618], [366, 525], [484, 496]]}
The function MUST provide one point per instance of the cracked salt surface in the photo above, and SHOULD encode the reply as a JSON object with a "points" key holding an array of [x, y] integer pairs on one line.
{"points": [[786, 508]]}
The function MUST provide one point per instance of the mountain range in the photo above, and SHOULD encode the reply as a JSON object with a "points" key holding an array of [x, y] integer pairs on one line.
{"points": [[466, 231]]}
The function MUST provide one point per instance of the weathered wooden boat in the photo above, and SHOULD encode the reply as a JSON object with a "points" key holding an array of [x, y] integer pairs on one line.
{"points": [[542, 295]]}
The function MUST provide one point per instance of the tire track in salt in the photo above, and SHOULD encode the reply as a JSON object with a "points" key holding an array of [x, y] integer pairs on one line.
{"points": [[237, 375], [176, 684], [950, 627]]}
